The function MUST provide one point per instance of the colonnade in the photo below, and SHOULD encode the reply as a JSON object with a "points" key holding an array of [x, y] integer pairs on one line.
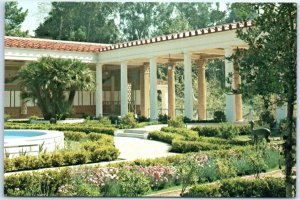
{"points": [[148, 77]]}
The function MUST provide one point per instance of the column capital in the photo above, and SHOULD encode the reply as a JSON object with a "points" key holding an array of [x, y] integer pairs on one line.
{"points": [[201, 63], [187, 53], [98, 64], [171, 66], [124, 62]]}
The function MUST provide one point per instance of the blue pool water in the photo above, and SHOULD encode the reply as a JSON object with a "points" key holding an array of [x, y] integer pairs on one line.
{"points": [[19, 134]]}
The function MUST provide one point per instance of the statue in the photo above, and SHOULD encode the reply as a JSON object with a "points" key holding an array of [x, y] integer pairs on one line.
{"points": [[260, 132]]}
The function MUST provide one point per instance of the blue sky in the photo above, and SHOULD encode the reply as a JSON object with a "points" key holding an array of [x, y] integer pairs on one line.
{"points": [[34, 17]]}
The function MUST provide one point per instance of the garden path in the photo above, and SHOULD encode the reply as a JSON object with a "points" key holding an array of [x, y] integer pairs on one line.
{"points": [[136, 148]]}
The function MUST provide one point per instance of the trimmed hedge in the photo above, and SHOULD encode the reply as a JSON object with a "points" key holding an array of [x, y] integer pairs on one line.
{"points": [[94, 143], [164, 136], [238, 187], [45, 183], [187, 133], [86, 128], [182, 146], [224, 130]]}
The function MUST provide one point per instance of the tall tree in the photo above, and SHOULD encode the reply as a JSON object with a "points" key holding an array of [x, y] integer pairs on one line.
{"points": [[137, 19], [269, 66], [14, 17], [52, 83], [81, 21], [241, 12]]}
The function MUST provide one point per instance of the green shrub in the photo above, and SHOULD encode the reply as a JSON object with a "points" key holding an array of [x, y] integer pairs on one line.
{"points": [[8, 165], [44, 183], [163, 136], [163, 118], [176, 122], [57, 160], [225, 169], [219, 116], [105, 153], [33, 117], [238, 187], [211, 190], [75, 136], [133, 183], [98, 128], [182, 146], [105, 121], [46, 159], [187, 133], [128, 121], [6, 117], [76, 157], [224, 130]]}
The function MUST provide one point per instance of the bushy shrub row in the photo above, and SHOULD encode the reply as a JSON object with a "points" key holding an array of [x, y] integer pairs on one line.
{"points": [[187, 133], [64, 127], [57, 159], [44, 183], [81, 136], [94, 147], [139, 174], [163, 136], [182, 146], [226, 131], [238, 187]]}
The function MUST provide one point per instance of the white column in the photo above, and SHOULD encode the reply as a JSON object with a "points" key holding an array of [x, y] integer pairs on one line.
{"points": [[153, 89], [188, 87], [230, 99], [124, 89], [99, 110]]}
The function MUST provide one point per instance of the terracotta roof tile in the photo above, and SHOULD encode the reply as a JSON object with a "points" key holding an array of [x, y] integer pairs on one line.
{"points": [[52, 44]]}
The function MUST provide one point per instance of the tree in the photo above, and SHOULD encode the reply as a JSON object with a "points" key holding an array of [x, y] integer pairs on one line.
{"points": [[241, 12], [269, 66], [14, 17], [81, 21], [53, 82]]}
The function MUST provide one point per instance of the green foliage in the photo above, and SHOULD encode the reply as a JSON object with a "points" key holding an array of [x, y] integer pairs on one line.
{"points": [[105, 121], [176, 122], [182, 146], [92, 17], [45, 183], [128, 121], [163, 136], [33, 118], [267, 187], [64, 127], [14, 17], [163, 118], [49, 79], [76, 157], [187, 133], [94, 147], [132, 183], [272, 60], [224, 130], [219, 116], [6, 117], [225, 169], [104, 153], [268, 118]]}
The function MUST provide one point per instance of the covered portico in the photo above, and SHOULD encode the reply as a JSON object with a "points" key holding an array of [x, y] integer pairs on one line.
{"points": [[126, 74], [197, 47]]}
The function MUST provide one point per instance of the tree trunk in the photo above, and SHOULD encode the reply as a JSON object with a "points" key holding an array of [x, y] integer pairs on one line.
{"points": [[289, 146]]}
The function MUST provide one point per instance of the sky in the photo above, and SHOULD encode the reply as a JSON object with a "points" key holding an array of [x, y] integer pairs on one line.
{"points": [[35, 17]]}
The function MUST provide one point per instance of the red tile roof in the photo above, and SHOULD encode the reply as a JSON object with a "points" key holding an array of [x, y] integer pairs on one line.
{"points": [[175, 36], [36, 43]]}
